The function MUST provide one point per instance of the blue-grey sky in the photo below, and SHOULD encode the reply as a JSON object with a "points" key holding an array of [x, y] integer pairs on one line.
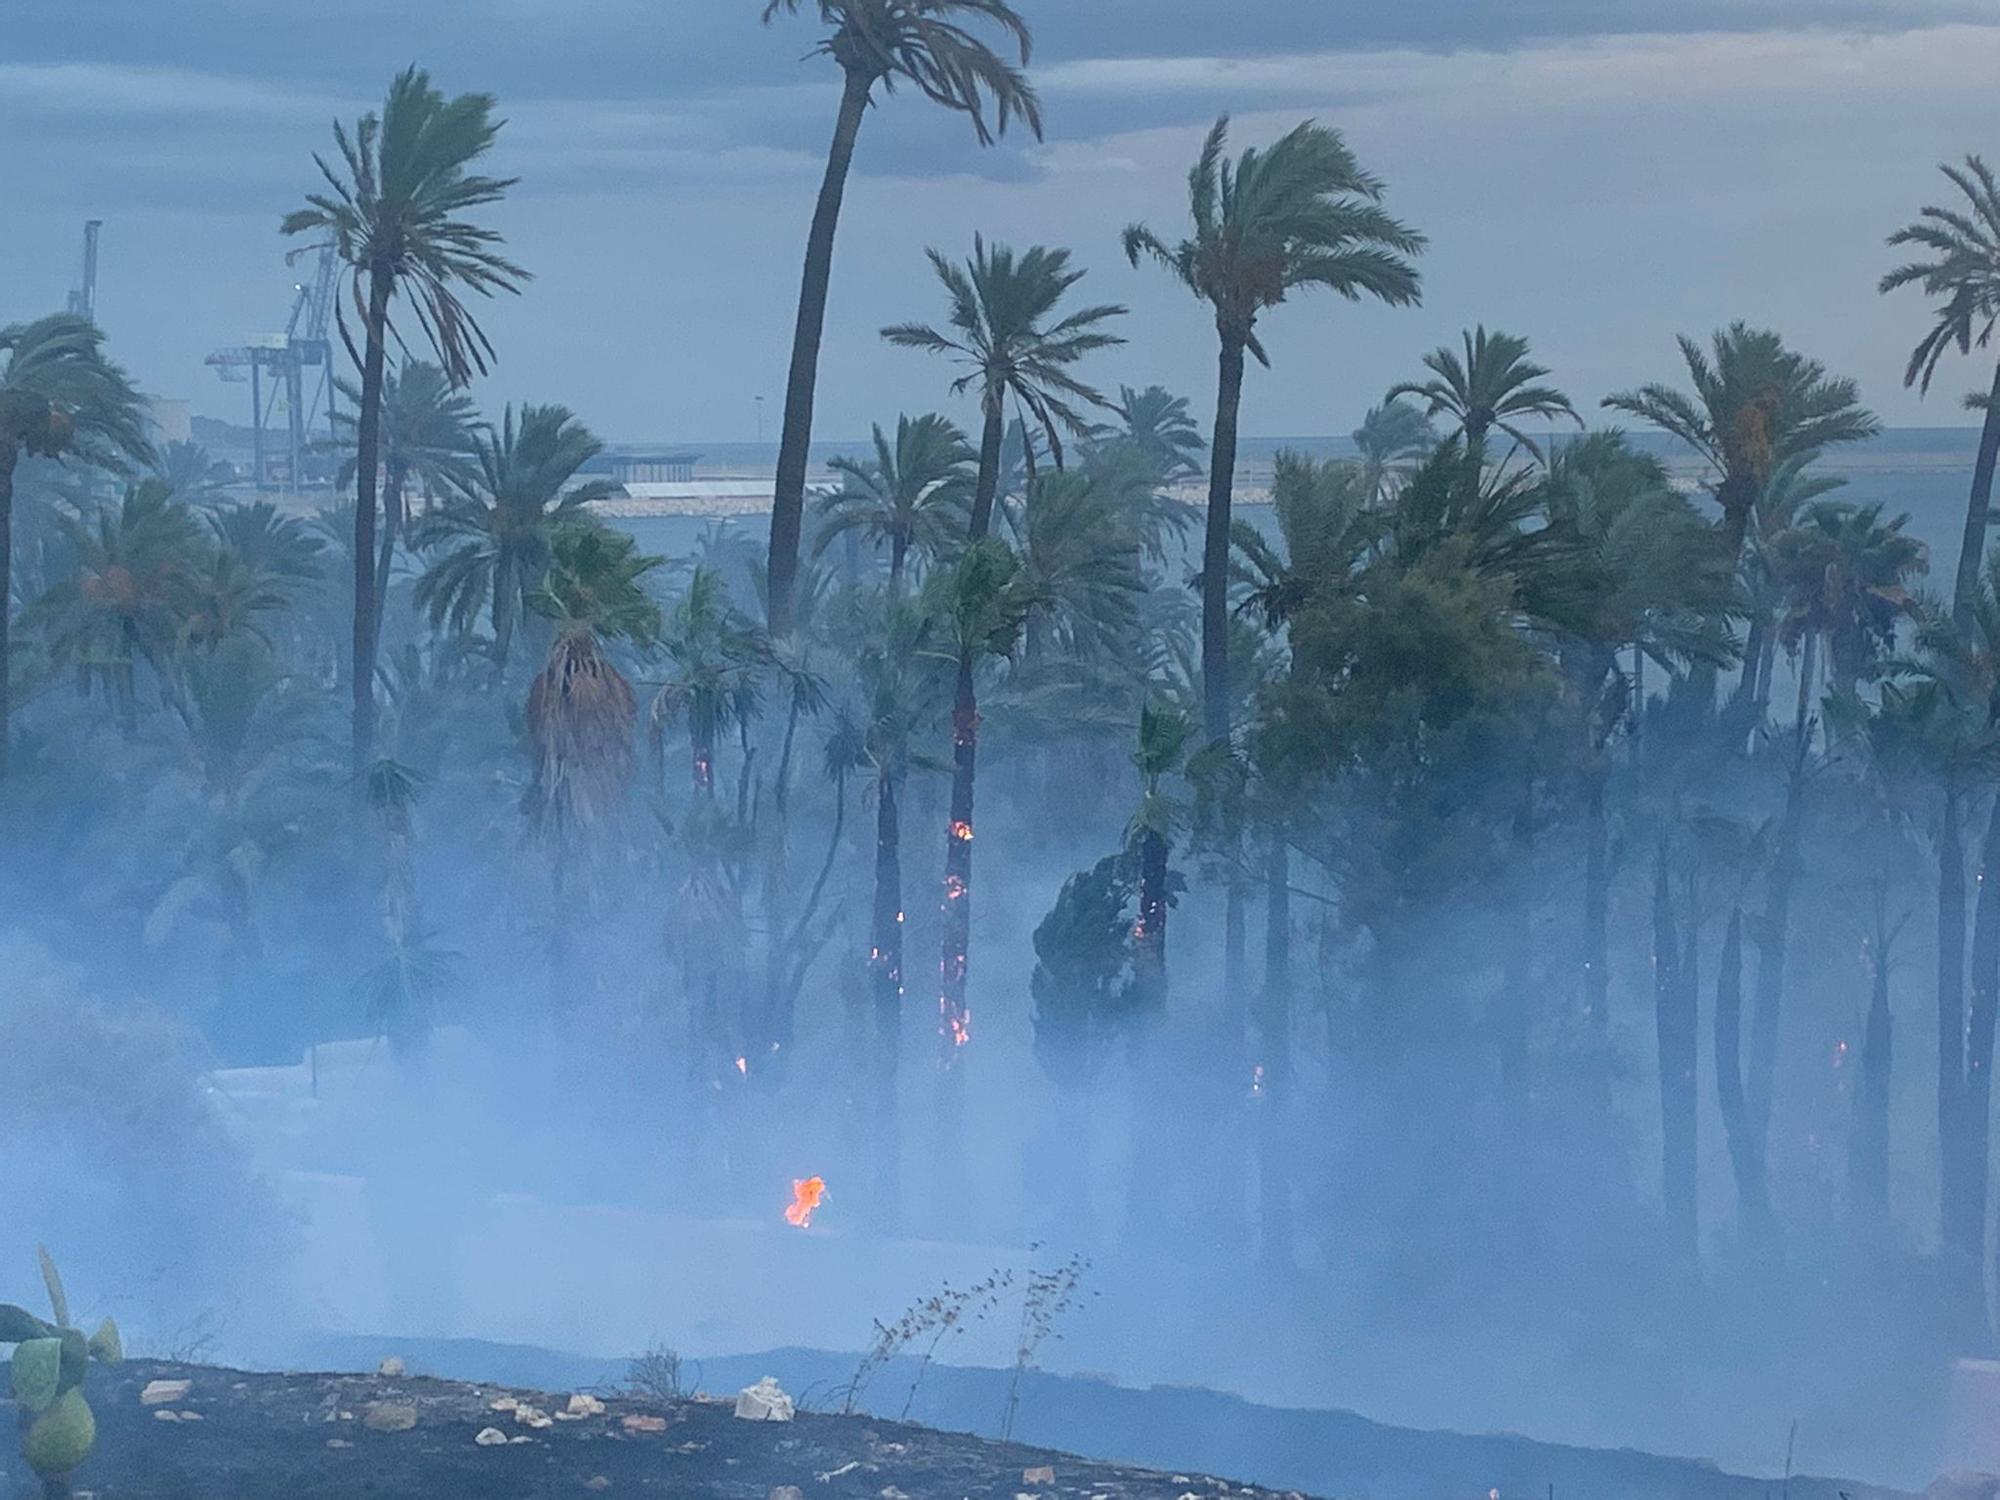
{"points": [[1596, 174]]}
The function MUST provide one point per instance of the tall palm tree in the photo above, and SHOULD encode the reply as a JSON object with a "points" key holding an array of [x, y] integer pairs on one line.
{"points": [[429, 434], [393, 213], [1301, 215], [897, 708], [1667, 593], [59, 397], [1963, 273], [1391, 437], [1492, 386], [1756, 405], [906, 495], [492, 544], [981, 605], [1003, 338], [925, 44]]}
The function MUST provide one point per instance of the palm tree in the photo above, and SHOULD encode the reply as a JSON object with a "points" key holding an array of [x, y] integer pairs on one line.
{"points": [[981, 605], [1846, 574], [131, 597], [279, 546], [582, 713], [493, 543], [879, 42], [393, 212], [1963, 273], [59, 397], [906, 495], [1161, 429], [1492, 386], [1002, 336], [1390, 438], [896, 710], [714, 659], [1079, 556], [1303, 214], [1326, 531], [1667, 594], [191, 471], [429, 433], [1756, 405]]}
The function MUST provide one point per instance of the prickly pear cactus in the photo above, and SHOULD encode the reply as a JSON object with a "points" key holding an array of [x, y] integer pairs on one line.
{"points": [[58, 1428]]}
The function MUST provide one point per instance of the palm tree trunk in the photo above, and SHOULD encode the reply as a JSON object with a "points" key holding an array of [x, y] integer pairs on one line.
{"points": [[1737, 494], [795, 442], [885, 965], [368, 438], [955, 932], [1143, 1200], [1868, 1149], [987, 488], [1975, 1105], [1596, 910], [393, 517], [1273, 1081], [1746, 1146], [1950, 1025], [9, 456], [1972, 549], [1743, 712], [1674, 1024], [1773, 938], [1215, 548], [899, 551]]}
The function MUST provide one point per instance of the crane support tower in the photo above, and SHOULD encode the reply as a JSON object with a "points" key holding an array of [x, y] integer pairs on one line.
{"points": [[294, 368], [83, 297]]}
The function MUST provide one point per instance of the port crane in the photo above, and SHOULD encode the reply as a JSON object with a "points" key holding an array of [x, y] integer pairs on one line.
{"points": [[294, 367]]}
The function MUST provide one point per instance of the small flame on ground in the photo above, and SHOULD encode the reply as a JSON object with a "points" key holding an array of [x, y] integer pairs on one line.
{"points": [[961, 830], [807, 1194]]}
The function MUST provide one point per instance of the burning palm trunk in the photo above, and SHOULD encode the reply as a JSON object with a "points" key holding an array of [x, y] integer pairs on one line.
{"points": [[955, 924], [885, 969]]}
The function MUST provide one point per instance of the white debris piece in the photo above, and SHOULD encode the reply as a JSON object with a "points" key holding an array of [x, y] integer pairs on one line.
{"points": [[765, 1402], [581, 1405], [165, 1392], [491, 1437]]}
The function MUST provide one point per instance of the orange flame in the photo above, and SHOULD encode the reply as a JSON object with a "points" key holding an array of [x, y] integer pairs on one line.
{"points": [[961, 830], [807, 1194]]}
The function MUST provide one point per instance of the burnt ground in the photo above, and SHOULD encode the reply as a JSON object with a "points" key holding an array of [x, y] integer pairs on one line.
{"points": [[243, 1436]]}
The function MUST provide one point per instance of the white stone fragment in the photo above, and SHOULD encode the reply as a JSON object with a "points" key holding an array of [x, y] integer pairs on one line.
{"points": [[765, 1402]]}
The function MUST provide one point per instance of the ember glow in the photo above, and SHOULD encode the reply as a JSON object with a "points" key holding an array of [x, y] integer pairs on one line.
{"points": [[808, 1194], [962, 831]]}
